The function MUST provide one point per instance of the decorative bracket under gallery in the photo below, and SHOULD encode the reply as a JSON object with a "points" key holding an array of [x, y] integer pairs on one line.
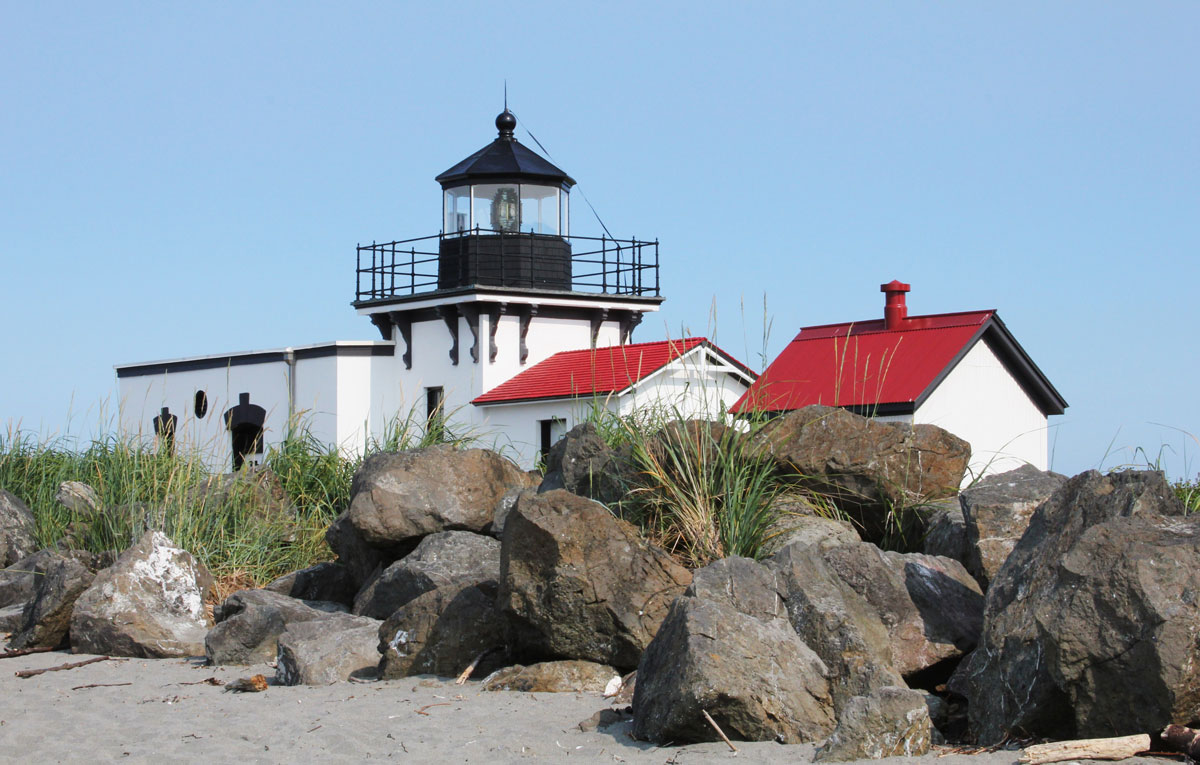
{"points": [[494, 314], [599, 316], [403, 323], [471, 314], [527, 312], [449, 314], [629, 321]]}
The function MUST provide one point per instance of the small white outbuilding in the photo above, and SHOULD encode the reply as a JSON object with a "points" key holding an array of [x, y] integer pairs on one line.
{"points": [[963, 372]]}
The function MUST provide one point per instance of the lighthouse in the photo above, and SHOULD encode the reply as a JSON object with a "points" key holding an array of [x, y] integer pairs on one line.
{"points": [[504, 325]]}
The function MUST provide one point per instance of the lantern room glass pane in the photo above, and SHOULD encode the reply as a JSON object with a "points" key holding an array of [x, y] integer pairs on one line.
{"points": [[565, 209], [456, 203], [497, 206], [539, 209]]}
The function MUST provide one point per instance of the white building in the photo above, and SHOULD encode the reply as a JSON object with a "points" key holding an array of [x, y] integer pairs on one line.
{"points": [[963, 372], [467, 317]]}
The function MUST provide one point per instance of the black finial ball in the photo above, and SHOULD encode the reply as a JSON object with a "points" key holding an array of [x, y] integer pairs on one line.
{"points": [[506, 122]]}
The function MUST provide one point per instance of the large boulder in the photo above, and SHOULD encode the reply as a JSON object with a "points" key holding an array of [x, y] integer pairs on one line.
{"points": [[583, 463], [996, 512], [1090, 625], [332, 582], [569, 676], [17, 530], [442, 631], [756, 678], [578, 583], [46, 620], [328, 651], [807, 530], [931, 607], [362, 561], [78, 498], [945, 531], [18, 582], [838, 623], [249, 623], [149, 604], [745, 585], [398, 498], [448, 558], [867, 466], [891, 722]]}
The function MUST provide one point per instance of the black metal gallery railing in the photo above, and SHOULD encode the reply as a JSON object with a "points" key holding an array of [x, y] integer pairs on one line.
{"points": [[489, 258]]}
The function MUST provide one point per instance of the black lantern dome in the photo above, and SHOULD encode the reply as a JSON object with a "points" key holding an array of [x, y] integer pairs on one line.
{"points": [[506, 216]]}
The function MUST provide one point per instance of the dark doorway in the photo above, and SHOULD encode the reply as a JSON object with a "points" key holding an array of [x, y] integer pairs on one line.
{"points": [[435, 413], [245, 423], [164, 429], [549, 431], [247, 445]]}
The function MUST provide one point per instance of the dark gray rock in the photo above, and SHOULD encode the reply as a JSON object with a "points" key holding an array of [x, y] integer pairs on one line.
{"points": [[578, 583], [553, 677], [458, 558], [757, 679], [867, 466], [398, 498], [46, 619], [891, 722], [11, 618], [250, 622], [507, 503], [442, 631], [743, 584], [149, 604], [362, 561], [17, 530], [328, 651], [946, 531], [931, 607], [331, 582], [1090, 625], [839, 624], [582, 463], [996, 512], [19, 581]]}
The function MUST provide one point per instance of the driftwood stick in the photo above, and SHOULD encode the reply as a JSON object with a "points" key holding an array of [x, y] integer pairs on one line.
{"points": [[1182, 739], [1117, 748], [25, 652], [717, 728], [422, 711], [60, 667], [99, 685], [471, 668]]}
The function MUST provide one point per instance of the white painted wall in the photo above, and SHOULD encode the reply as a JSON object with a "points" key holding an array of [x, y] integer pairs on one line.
{"points": [[979, 401]]}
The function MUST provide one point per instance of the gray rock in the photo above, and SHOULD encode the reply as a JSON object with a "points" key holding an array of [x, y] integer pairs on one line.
{"points": [[745, 585], [891, 722], [757, 679], [946, 531], [1089, 626], [11, 618], [249, 624], [839, 624], [78, 497], [931, 607], [808, 530], [457, 558], [328, 651], [325, 581], [18, 582], [442, 631], [867, 466], [149, 604], [578, 583], [552, 677], [17, 530], [362, 561], [398, 498], [507, 503], [583, 464], [46, 619], [996, 512]]}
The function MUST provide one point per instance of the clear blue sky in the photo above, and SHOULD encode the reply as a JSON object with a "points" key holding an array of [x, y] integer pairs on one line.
{"points": [[180, 179]]}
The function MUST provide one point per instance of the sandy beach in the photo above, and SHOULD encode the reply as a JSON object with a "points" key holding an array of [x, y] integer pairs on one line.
{"points": [[163, 711]]}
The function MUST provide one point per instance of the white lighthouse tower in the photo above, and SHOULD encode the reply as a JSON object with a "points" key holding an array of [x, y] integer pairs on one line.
{"points": [[503, 324]]}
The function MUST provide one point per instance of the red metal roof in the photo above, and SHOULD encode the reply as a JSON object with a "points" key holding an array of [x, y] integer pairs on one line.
{"points": [[864, 364], [598, 371]]}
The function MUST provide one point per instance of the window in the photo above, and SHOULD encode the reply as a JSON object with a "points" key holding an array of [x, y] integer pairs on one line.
{"points": [[435, 412]]}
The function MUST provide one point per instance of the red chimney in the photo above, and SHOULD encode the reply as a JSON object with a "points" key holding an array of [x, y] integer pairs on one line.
{"points": [[895, 311]]}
